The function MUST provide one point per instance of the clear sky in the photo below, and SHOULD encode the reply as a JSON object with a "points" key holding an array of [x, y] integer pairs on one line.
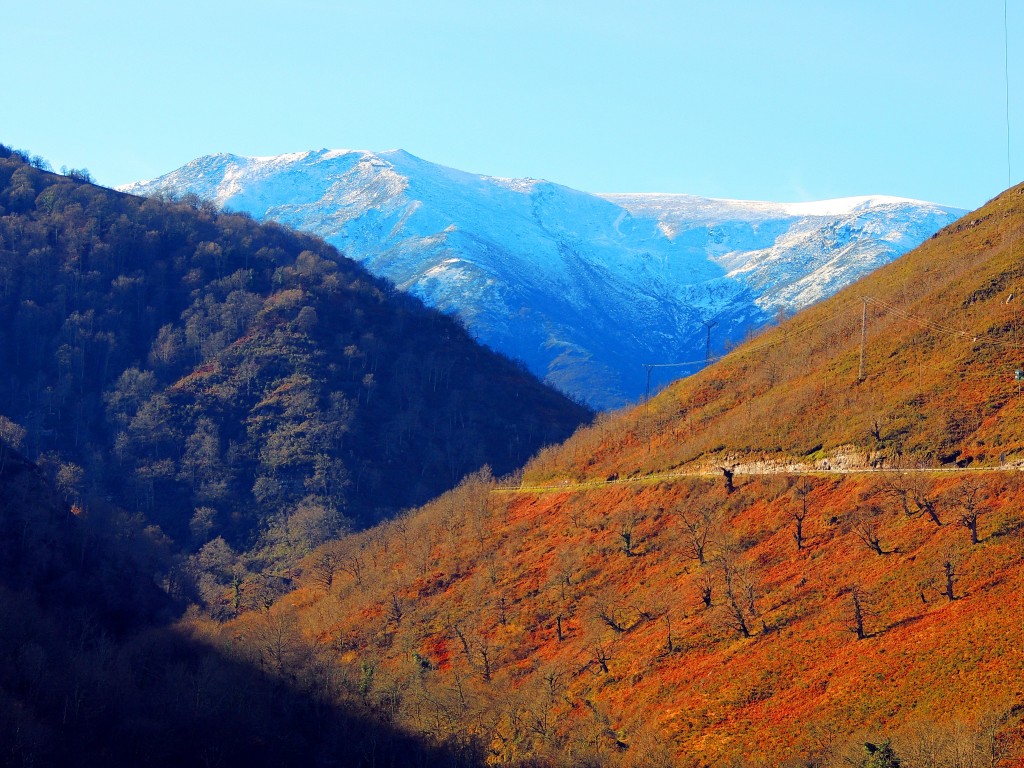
{"points": [[785, 100]]}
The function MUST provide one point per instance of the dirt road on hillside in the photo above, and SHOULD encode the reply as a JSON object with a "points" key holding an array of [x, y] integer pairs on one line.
{"points": [[756, 468]]}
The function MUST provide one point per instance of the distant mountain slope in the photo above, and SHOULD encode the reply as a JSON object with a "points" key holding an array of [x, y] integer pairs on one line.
{"points": [[583, 288], [858, 579], [238, 381], [794, 254]]}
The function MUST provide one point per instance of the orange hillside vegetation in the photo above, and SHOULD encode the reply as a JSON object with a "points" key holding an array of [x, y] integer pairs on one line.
{"points": [[619, 607]]}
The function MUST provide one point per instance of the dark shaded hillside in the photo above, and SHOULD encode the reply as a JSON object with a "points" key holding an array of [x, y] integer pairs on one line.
{"points": [[229, 380], [88, 678], [104, 567]]}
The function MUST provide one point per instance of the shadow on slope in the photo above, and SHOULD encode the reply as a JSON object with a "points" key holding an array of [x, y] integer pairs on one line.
{"points": [[92, 672]]}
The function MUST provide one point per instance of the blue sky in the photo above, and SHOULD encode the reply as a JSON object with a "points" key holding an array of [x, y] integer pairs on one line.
{"points": [[784, 100]]}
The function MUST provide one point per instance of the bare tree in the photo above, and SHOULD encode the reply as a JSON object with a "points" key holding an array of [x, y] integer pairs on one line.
{"points": [[669, 644], [912, 493], [610, 615], [478, 649], [548, 702], [325, 565], [738, 592], [352, 563], [970, 500], [566, 569], [395, 611], [501, 604], [822, 738], [706, 590], [801, 492], [276, 643], [699, 523], [859, 609], [599, 650], [960, 744], [949, 570], [949, 565], [995, 743], [614, 611], [865, 528], [626, 525]]}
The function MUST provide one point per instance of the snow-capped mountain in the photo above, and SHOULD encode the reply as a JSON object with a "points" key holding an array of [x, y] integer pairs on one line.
{"points": [[583, 288]]}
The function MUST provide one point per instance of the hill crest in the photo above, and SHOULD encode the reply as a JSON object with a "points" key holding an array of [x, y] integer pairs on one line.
{"points": [[251, 384]]}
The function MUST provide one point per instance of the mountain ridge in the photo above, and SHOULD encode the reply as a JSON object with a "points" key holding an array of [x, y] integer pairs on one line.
{"points": [[583, 288], [219, 376]]}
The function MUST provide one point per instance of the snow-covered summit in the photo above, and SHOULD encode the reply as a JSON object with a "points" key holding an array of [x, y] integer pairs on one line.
{"points": [[665, 201], [584, 288]]}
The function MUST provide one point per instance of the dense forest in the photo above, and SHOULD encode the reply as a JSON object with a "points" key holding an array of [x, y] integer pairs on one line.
{"points": [[91, 673], [241, 386]]}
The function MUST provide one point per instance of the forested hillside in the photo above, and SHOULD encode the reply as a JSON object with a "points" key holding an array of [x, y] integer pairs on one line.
{"points": [[784, 560], [90, 676], [241, 386], [809, 554]]}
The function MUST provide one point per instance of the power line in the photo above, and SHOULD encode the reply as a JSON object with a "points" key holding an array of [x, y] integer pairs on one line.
{"points": [[709, 324], [938, 327], [863, 337], [748, 348], [1006, 76], [924, 322]]}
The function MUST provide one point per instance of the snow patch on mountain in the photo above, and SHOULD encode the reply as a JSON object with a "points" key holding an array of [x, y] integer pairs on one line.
{"points": [[583, 288]]}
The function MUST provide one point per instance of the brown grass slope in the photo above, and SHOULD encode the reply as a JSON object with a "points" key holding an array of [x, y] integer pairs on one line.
{"points": [[669, 621]]}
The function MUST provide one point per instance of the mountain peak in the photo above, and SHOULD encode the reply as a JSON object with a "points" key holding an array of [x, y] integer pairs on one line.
{"points": [[581, 287]]}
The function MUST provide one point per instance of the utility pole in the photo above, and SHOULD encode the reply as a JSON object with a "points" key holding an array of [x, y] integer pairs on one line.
{"points": [[863, 336], [709, 324], [920, 358], [647, 400]]}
